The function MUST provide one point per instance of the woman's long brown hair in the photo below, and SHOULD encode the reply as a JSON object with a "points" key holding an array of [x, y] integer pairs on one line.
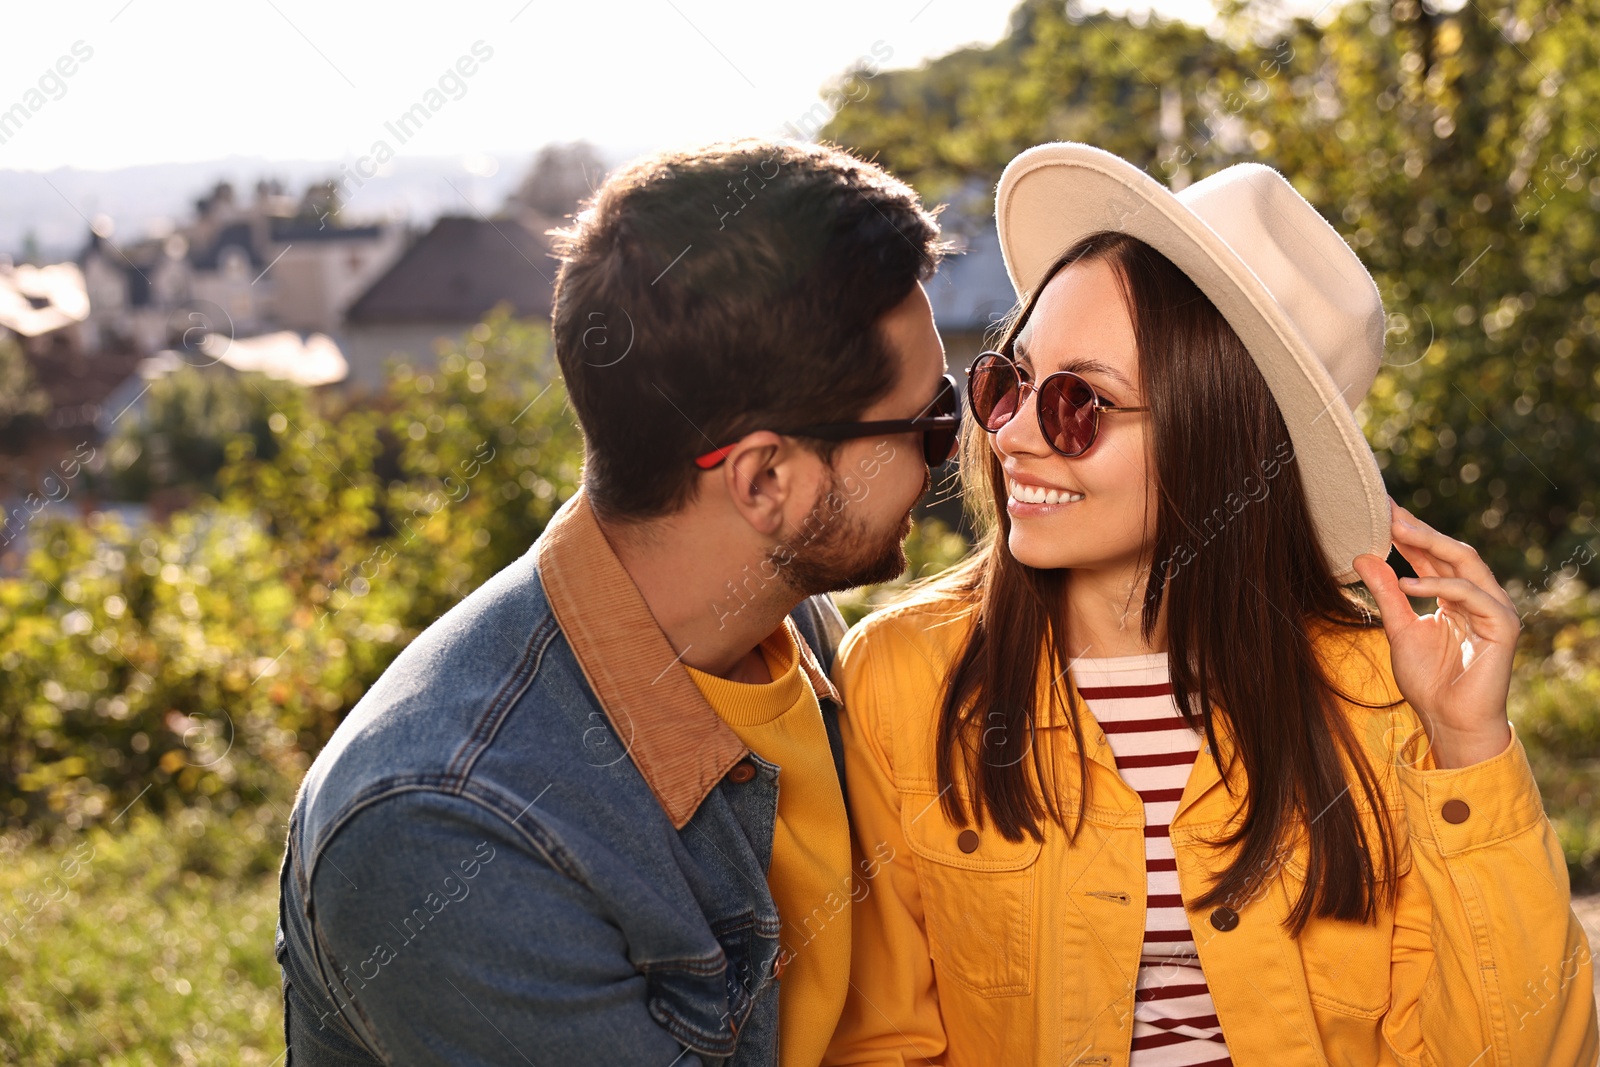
{"points": [[1240, 583]]}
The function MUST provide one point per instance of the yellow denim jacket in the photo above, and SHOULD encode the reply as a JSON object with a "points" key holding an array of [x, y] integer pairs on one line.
{"points": [[998, 952]]}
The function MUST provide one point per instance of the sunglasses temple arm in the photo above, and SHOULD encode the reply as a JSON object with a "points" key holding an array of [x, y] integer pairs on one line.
{"points": [[712, 459]]}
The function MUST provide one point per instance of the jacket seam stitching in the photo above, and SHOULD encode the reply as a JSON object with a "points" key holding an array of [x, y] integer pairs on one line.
{"points": [[693, 965], [489, 723], [556, 859], [1343, 1008], [1488, 971], [688, 1033], [370, 1036]]}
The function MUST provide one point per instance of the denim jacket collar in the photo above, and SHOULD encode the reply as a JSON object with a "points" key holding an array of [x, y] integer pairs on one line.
{"points": [[679, 744]]}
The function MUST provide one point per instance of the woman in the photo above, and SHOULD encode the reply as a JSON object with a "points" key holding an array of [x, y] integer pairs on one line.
{"points": [[1141, 781]]}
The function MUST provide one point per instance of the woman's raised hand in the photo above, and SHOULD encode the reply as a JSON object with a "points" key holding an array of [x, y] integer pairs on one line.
{"points": [[1454, 665]]}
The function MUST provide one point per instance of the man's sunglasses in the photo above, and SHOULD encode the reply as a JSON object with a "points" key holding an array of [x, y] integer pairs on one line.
{"points": [[1069, 408], [940, 426]]}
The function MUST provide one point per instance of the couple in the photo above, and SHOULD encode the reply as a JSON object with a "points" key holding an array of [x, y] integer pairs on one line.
{"points": [[1139, 782]]}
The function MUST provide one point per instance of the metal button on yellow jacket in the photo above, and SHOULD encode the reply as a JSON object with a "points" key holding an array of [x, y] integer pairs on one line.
{"points": [[972, 950]]}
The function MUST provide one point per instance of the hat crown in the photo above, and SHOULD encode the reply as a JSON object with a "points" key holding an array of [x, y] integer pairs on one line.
{"points": [[1321, 287]]}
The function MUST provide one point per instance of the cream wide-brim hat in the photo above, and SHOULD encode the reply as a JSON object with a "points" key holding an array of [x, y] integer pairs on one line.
{"points": [[1294, 292]]}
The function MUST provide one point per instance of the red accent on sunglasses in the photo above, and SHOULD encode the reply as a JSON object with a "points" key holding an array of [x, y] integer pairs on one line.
{"points": [[711, 459]]}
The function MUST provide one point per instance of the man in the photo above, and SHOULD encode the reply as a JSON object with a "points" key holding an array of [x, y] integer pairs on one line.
{"points": [[595, 812]]}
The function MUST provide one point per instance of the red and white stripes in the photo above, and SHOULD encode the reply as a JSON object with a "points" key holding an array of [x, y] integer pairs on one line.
{"points": [[1174, 1021]]}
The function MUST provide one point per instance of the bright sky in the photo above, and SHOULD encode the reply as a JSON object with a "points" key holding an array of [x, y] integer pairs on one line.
{"points": [[187, 80]]}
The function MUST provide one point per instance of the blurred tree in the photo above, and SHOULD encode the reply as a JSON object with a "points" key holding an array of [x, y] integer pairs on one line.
{"points": [[321, 201], [562, 175], [1455, 151], [21, 399], [177, 438], [212, 654]]}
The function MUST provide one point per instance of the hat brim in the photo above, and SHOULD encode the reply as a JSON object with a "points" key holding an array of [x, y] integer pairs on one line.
{"points": [[1053, 195]]}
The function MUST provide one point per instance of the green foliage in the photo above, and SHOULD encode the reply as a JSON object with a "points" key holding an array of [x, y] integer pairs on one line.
{"points": [[209, 657], [1456, 152], [146, 943], [178, 436], [1555, 702], [21, 399]]}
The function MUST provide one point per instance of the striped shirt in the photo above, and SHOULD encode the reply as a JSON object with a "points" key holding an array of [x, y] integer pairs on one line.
{"points": [[1174, 1020]]}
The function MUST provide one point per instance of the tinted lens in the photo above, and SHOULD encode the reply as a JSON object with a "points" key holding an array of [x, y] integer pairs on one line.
{"points": [[1067, 413], [938, 446], [992, 390]]}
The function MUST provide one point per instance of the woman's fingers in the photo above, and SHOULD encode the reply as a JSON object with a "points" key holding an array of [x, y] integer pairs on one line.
{"points": [[1405, 533], [1380, 580], [1420, 560], [1488, 616], [1422, 544], [1432, 554]]}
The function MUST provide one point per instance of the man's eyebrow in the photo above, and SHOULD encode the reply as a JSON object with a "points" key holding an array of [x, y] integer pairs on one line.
{"points": [[1076, 366]]}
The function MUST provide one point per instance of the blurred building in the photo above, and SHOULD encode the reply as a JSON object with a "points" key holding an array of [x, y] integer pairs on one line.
{"points": [[238, 268], [45, 311], [259, 284], [443, 285], [43, 306], [286, 356], [971, 292]]}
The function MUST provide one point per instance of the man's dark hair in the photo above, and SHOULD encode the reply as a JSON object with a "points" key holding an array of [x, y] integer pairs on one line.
{"points": [[710, 293]]}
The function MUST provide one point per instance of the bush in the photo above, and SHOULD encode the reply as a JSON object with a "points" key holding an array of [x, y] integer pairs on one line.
{"points": [[211, 655], [178, 437], [1555, 702]]}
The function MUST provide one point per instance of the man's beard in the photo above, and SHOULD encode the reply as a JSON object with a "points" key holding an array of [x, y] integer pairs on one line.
{"points": [[846, 552]]}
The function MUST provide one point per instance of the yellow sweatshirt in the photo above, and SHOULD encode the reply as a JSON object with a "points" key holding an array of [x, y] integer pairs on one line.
{"points": [[810, 871]]}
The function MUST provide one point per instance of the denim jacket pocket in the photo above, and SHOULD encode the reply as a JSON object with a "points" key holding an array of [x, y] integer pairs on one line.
{"points": [[707, 1002], [978, 898]]}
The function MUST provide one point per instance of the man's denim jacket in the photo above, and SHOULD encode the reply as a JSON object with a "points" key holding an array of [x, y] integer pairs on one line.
{"points": [[524, 844]]}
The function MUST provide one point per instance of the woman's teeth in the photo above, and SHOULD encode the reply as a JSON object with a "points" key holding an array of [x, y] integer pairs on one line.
{"points": [[1034, 494]]}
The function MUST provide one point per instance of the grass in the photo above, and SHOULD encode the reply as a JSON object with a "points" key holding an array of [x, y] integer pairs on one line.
{"points": [[149, 943]]}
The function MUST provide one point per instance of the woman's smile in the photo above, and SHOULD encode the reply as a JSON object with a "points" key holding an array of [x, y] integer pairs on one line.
{"points": [[1026, 499]]}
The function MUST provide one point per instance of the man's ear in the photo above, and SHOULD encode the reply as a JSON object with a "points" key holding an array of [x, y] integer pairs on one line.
{"points": [[760, 477]]}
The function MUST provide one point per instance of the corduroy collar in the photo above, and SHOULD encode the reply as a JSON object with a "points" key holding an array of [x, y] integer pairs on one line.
{"points": [[669, 731]]}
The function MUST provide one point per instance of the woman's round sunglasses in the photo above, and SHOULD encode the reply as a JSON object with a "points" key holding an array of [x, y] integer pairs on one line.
{"points": [[939, 424], [1069, 408]]}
